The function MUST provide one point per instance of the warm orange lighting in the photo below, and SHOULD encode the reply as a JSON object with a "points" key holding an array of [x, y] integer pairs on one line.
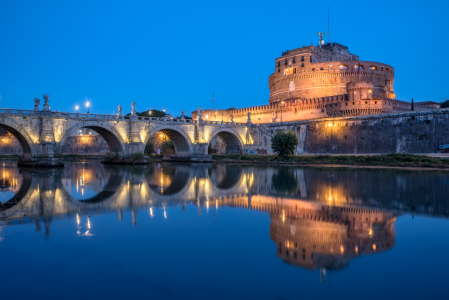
{"points": [[370, 91], [370, 231], [342, 249], [356, 249], [329, 124], [374, 247], [161, 135]]}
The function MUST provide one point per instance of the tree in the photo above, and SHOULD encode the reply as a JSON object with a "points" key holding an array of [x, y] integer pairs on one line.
{"points": [[149, 148], [168, 148], [413, 105], [445, 104], [284, 144]]}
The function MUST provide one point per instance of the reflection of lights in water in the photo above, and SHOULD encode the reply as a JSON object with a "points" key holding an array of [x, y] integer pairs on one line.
{"points": [[77, 219], [88, 223], [151, 212], [356, 249], [283, 216], [374, 247], [165, 213], [207, 204], [342, 249], [370, 231]]}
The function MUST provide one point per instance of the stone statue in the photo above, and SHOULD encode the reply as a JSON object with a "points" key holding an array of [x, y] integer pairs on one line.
{"points": [[45, 96], [198, 110], [232, 118], [133, 108], [321, 35], [249, 117], [37, 102], [183, 115], [119, 110], [46, 105]]}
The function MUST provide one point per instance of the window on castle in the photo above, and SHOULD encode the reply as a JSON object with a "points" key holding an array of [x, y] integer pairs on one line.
{"points": [[279, 70], [279, 63], [387, 69], [302, 65], [294, 59], [321, 69], [313, 69], [285, 62], [381, 68], [373, 68], [302, 58], [290, 71], [310, 58], [358, 67], [343, 67]]}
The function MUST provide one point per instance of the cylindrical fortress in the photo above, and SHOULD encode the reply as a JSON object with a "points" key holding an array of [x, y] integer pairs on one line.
{"points": [[314, 72]]}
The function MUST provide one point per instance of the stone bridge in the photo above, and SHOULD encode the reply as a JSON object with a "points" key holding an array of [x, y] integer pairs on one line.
{"points": [[42, 133]]}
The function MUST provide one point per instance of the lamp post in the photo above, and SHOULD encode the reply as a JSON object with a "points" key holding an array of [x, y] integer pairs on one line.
{"points": [[77, 107], [87, 105]]}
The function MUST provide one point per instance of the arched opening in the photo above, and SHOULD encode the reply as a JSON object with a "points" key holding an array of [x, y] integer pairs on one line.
{"points": [[168, 180], [225, 176], [91, 140], [14, 185], [225, 142], [24, 145], [168, 141], [90, 182]]}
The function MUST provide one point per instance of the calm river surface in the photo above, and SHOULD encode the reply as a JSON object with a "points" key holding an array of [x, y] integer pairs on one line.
{"points": [[180, 231]]}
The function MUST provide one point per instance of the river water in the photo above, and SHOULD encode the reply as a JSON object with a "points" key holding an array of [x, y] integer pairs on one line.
{"points": [[181, 231]]}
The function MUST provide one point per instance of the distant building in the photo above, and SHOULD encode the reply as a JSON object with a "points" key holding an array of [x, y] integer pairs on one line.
{"points": [[430, 104]]}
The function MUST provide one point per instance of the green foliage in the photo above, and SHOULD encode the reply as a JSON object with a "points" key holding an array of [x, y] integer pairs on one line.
{"points": [[149, 148], [445, 104], [284, 144], [136, 156], [114, 155], [154, 113], [284, 182], [168, 148], [209, 149]]}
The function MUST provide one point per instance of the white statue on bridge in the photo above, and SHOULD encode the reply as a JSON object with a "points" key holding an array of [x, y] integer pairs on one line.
{"points": [[249, 117], [37, 102], [119, 110], [183, 115], [232, 118], [133, 108], [198, 110], [46, 105]]}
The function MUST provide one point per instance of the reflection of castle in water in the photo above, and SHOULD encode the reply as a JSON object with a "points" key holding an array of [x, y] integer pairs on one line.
{"points": [[348, 216]]}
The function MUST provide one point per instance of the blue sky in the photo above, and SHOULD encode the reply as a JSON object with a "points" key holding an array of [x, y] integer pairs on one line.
{"points": [[174, 54]]}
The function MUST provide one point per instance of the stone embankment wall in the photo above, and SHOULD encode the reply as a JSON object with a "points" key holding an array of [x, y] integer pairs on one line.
{"points": [[404, 133]]}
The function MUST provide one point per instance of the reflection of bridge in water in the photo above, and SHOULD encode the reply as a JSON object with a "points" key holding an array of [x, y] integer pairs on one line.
{"points": [[319, 218]]}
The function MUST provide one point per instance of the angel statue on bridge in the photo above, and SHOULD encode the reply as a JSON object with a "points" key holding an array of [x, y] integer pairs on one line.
{"points": [[183, 114], [37, 102], [232, 118], [133, 108], [119, 110]]}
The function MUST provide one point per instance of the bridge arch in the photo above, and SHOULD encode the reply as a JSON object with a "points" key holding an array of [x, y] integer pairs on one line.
{"points": [[106, 131], [231, 139], [181, 141], [25, 141]]}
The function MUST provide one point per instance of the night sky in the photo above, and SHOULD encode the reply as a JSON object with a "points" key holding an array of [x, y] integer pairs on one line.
{"points": [[174, 54]]}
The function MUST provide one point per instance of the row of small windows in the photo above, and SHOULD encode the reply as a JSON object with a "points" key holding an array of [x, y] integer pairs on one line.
{"points": [[294, 61]]}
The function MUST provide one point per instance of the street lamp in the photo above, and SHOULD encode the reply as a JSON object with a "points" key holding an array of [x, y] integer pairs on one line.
{"points": [[77, 107], [87, 105]]}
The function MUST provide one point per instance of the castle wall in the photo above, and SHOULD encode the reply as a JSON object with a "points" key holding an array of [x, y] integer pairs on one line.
{"points": [[417, 133]]}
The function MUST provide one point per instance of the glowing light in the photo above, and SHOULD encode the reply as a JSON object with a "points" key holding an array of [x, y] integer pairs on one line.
{"points": [[329, 124], [374, 247], [283, 216], [77, 219], [356, 249], [342, 249], [370, 231], [77, 107], [160, 135], [165, 214], [88, 223], [87, 104], [207, 116], [370, 91], [151, 212]]}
